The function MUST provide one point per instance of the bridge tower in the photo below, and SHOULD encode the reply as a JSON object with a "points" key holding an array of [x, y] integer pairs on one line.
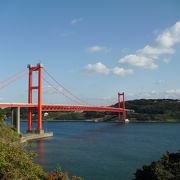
{"points": [[38, 68], [121, 97]]}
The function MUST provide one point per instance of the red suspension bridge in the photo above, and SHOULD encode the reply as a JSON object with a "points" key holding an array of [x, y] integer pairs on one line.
{"points": [[40, 107]]}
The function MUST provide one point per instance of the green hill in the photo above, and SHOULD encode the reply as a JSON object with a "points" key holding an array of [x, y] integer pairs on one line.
{"points": [[154, 109]]}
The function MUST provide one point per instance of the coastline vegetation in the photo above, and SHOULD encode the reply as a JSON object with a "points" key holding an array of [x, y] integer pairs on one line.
{"points": [[168, 167], [16, 163]]}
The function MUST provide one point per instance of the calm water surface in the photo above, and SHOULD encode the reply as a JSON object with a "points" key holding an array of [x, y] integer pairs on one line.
{"points": [[105, 151]]}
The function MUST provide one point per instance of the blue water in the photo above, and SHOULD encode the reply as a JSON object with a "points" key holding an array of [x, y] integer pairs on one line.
{"points": [[105, 151]]}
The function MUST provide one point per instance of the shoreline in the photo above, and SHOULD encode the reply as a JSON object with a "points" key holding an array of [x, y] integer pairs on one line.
{"points": [[101, 121]]}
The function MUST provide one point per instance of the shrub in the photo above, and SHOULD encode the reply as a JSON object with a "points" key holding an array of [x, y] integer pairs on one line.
{"points": [[17, 164], [167, 168]]}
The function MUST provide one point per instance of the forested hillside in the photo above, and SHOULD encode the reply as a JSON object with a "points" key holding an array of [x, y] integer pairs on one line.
{"points": [[154, 109]]}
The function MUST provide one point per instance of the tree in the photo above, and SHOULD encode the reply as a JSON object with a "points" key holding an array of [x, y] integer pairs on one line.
{"points": [[167, 168]]}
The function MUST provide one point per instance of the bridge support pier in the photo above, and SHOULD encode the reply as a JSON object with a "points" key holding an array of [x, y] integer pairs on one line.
{"points": [[15, 118], [29, 120]]}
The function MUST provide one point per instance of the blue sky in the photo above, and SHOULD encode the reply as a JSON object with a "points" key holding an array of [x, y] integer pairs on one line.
{"points": [[94, 48]]}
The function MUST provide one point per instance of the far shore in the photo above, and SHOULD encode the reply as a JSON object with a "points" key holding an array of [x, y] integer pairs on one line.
{"points": [[116, 121]]}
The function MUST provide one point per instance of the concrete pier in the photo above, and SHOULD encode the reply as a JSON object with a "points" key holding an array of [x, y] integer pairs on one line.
{"points": [[15, 118], [34, 136]]}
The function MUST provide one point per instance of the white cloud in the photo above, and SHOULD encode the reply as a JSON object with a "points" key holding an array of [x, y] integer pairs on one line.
{"points": [[121, 71], [170, 36], [138, 60], [163, 45], [173, 91], [155, 52], [97, 67], [101, 68], [167, 94], [76, 21], [97, 48]]}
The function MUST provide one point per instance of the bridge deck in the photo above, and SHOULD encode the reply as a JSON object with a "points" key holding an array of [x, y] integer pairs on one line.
{"points": [[60, 107]]}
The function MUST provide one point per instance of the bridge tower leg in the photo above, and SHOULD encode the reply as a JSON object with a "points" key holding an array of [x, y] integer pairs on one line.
{"points": [[123, 106], [40, 130], [37, 68], [119, 105], [30, 99]]}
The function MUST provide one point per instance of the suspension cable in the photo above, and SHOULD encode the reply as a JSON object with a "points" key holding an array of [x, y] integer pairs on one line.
{"points": [[68, 91], [12, 76], [60, 91], [13, 80]]}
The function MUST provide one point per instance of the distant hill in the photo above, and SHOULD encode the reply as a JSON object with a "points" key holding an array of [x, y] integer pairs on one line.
{"points": [[154, 109]]}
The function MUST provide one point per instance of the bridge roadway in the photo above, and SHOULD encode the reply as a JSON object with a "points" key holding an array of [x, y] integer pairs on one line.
{"points": [[60, 107]]}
